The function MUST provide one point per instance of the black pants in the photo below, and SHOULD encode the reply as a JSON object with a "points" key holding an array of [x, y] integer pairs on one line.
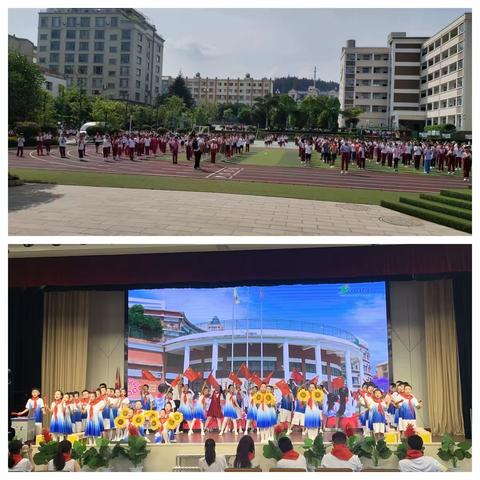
{"points": [[19, 151], [198, 156], [62, 151]]}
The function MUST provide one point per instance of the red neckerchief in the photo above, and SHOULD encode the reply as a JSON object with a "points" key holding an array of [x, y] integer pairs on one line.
{"points": [[55, 408], [412, 454], [310, 402], [290, 455], [16, 458], [408, 396], [34, 400], [341, 452], [185, 396], [67, 457], [379, 401], [90, 412], [251, 456]]}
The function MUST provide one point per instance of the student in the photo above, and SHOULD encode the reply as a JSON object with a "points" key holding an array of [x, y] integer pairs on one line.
{"points": [[467, 164], [230, 410], [408, 406], [313, 416], [98, 141], [215, 409], [57, 422], [40, 144], [16, 462], [330, 409], [81, 148], [62, 142], [20, 144], [36, 405], [212, 462], [63, 461], [290, 458], [340, 456], [245, 457], [377, 406], [345, 151], [200, 408], [416, 461], [186, 407], [94, 420], [147, 398], [197, 152]]}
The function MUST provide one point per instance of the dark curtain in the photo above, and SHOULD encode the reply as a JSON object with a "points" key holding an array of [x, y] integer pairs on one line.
{"points": [[25, 328], [462, 297]]}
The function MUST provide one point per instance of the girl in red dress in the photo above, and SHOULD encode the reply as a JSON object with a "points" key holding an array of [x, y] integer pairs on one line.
{"points": [[215, 409]]}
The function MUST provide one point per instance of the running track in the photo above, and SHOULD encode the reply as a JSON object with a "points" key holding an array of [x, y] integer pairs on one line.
{"points": [[373, 180]]}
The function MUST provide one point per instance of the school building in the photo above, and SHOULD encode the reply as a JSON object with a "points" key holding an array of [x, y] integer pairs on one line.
{"points": [[413, 81]]}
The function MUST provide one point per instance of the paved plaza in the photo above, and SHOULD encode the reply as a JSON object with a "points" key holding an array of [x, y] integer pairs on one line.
{"points": [[43, 209]]}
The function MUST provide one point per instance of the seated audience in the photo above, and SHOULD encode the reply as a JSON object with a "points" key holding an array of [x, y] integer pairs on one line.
{"points": [[290, 458], [340, 456], [212, 462], [16, 461], [416, 461], [245, 457], [63, 462]]}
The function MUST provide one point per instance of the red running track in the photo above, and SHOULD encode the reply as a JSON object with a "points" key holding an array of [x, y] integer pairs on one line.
{"points": [[373, 180]]}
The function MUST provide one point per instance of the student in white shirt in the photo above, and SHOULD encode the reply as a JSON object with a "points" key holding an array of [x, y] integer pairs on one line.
{"points": [[416, 461], [290, 458], [16, 462], [62, 461], [340, 456], [212, 462]]}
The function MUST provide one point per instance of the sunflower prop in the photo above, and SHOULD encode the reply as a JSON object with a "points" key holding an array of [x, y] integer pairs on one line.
{"points": [[177, 417], [154, 423], [302, 395], [317, 395], [120, 422], [124, 412], [269, 399], [171, 424], [258, 398], [138, 420]]}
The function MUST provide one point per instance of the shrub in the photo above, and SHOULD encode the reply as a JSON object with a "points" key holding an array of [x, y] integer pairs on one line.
{"points": [[29, 129]]}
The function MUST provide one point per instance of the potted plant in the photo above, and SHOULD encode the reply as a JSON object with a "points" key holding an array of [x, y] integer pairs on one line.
{"points": [[314, 451], [367, 447], [136, 452], [78, 452], [401, 451], [46, 451], [98, 457], [450, 451], [271, 450]]}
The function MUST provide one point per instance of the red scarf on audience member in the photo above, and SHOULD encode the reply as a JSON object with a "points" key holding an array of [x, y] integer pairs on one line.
{"points": [[290, 455], [67, 457], [251, 456], [412, 454], [16, 458], [341, 452]]}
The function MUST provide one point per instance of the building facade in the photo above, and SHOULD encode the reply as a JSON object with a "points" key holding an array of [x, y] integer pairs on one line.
{"points": [[413, 82], [228, 90], [54, 82], [22, 46], [113, 52]]}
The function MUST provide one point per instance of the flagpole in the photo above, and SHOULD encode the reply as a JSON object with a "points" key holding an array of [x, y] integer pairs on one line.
{"points": [[247, 339], [233, 322], [261, 335]]}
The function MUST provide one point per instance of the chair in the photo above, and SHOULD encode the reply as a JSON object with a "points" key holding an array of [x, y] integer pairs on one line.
{"points": [[254, 469], [380, 470], [186, 469], [333, 470], [287, 470]]}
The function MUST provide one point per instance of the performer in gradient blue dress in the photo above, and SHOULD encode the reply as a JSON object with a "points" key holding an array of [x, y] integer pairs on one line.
{"points": [[313, 414], [230, 408], [57, 422]]}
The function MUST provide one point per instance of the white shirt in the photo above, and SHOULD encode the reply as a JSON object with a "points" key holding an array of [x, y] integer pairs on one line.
{"points": [[21, 141], [330, 461], [69, 466], [421, 464], [300, 462], [308, 148], [23, 465], [219, 465]]}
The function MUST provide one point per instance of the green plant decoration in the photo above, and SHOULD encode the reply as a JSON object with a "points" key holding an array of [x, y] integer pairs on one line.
{"points": [[78, 452], [98, 456], [314, 450], [368, 448], [46, 451], [136, 451], [450, 451]]}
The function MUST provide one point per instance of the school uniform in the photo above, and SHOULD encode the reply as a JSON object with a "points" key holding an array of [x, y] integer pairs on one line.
{"points": [[20, 145], [36, 405]]}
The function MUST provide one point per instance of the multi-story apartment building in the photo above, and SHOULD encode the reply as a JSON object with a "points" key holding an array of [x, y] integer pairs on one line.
{"points": [[113, 52], [23, 46], [424, 80], [364, 83], [228, 90]]}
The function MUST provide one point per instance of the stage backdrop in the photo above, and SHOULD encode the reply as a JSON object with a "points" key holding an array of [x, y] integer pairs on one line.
{"points": [[320, 330]]}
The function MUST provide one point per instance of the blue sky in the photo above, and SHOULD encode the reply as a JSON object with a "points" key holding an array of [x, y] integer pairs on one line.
{"points": [[267, 42], [359, 308]]}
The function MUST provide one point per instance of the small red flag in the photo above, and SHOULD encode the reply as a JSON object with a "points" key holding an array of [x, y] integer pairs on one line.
{"points": [[268, 378], [296, 376], [191, 374], [256, 380], [175, 381], [148, 375], [234, 378], [314, 380], [338, 382], [245, 372], [282, 385], [212, 381]]}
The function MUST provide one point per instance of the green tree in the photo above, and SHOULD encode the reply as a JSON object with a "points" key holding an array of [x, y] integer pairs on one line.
{"points": [[143, 325], [25, 82], [350, 115], [110, 112], [205, 113], [264, 107], [328, 118], [179, 89], [74, 107], [245, 115], [171, 112], [283, 111]]}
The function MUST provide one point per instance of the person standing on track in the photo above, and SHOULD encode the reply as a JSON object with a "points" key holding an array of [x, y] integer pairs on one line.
{"points": [[174, 146], [40, 144], [131, 147], [213, 150], [308, 152], [107, 145], [197, 152], [20, 144], [81, 148], [345, 150], [62, 143], [467, 163], [98, 141]]}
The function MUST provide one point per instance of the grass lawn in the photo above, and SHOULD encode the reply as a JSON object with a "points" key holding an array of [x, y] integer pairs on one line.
{"points": [[203, 185]]}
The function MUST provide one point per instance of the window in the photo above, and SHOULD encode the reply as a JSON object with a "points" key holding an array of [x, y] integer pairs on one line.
{"points": [[71, 34], [125, 46], [83, 46], [98, 58], [460, 65], [110, 86], [140, 37], [43, 22], [139, 60], [114, 21], [42, 48], [83, 58], [84, 21], [68, 70], [54, 45], [43, 36], [460, 47], [459, 101], [84, 34], [56, 22], [124, 71], [113, 49], [124, 58], [69, 58], [71, 21], [82, 70], [126, 34], [124, 83], [97, 82], [461, 28], [99, 21], [49, 86], [112, 61], [112, 73], [99, 46], [139, 49], [137, 83], [97, 70], [54, 57], [138, 72], [157, 80], [55, 34], [137, 96], [99, 34], [113, 38], [41, 60], [70, 46], [459, 82], [158, 58], [157, 69]]}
